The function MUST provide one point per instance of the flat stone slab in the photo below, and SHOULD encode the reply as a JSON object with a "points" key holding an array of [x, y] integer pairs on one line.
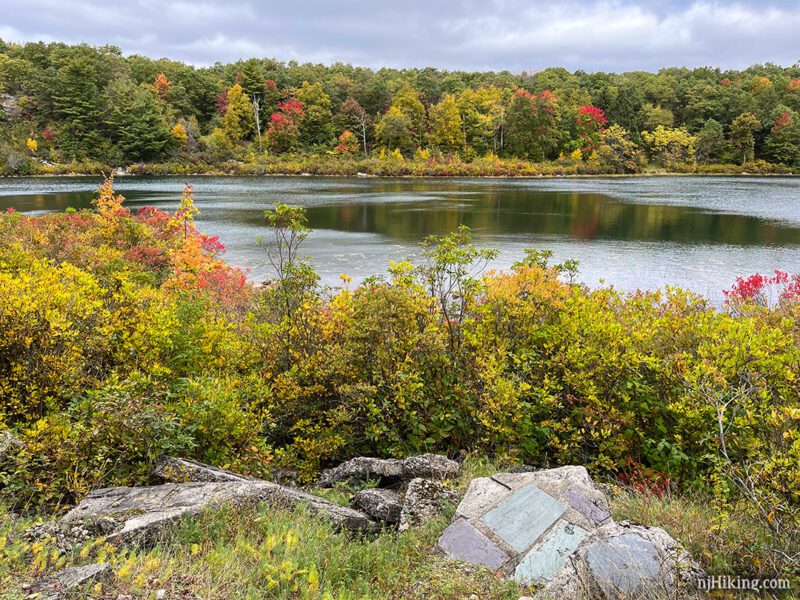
{"points": [[547, 557], [482, 494], [137, 514], [624, 564], [390, 470], [522, 517], [462, 541], [62, 583], [586, 507], [181, 470]]}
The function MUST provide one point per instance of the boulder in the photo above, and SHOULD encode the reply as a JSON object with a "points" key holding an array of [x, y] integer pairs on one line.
{"points": [[424, 500], [363, 468], [380, 504], [553, 529], [181, 470], [430, 466], [136, 515], [64, 582], [390, 471]]}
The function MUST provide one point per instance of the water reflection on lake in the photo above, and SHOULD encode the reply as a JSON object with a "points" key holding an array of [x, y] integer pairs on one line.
{"points": [[698, 233]]}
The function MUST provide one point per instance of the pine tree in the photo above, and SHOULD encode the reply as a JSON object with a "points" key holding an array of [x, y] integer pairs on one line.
{"points": [[77, 103], [135, 121]]}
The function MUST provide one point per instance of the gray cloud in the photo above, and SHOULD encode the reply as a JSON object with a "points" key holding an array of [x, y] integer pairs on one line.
{"points": [[462, 34]]}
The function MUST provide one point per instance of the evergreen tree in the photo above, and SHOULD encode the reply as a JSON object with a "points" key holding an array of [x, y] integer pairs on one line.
{"points": [[77, 103], [135, 122], [710, 142]]}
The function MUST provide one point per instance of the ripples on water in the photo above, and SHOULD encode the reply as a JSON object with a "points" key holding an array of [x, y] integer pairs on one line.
{"points": [[697, 233]]}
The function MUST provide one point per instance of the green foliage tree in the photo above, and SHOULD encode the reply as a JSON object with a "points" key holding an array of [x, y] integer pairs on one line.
{"points": [[532, 124], [710, 142], [395, 130], [743, 129], [135, 121], [316, 122], [783, 142], [407, 101]]}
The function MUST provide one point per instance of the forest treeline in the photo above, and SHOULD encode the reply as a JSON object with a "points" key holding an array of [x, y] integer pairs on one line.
{"points": [[89, 107]]}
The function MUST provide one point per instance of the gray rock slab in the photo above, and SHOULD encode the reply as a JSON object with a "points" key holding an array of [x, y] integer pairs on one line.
{"points": [[430, 466], [142, 512], [462, 541], [380, 504], [181, 470], [522, 517], [363, 468], [547, 557], [580, 502], [64, 582], [626, 565], [482, 494]]}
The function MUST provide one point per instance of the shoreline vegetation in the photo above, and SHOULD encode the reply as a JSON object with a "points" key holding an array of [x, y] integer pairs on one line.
{"points": [[312, 166]]}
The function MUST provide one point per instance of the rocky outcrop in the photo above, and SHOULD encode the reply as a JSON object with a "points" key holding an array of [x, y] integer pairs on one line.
{"points": [[553, 529], [63, 583], [390, 471], [137, 515], [424, 500], [380, 504], [180, 470]]}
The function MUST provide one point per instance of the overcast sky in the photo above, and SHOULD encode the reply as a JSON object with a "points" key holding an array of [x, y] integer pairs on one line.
{"points": [[455, 34]]}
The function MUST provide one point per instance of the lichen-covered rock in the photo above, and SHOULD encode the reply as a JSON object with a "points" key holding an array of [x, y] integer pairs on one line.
{"points": [[362, 468], [181, 470], [424, 500], [380, 504], [64, 582], [137, 515], [8, 444], [553, 529], [390, 471], [430, 466]]}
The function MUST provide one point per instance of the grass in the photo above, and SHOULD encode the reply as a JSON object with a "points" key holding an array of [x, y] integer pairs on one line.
{"points": [[260, 552]]}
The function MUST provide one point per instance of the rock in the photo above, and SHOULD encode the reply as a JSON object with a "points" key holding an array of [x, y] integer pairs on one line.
{"points": [[8, 444], [424, 500], [363, 468], [136, 515], [161, 594], [553, 528], [390, 471], [180, 470], [9, 105], [380, 504], [620, 560], [62, 583], [430, 466]]}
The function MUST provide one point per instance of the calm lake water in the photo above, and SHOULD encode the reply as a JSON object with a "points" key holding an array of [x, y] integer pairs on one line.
{"points": [[698, 233]]}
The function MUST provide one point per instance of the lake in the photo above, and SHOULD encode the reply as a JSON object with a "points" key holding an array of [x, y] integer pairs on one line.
{"points": [[633, 232]]}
